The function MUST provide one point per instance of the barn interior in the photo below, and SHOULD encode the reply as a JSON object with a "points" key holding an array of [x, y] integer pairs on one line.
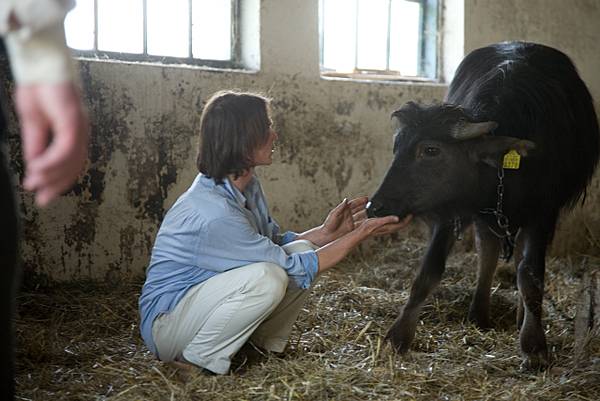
{"points": [[84, 257]]}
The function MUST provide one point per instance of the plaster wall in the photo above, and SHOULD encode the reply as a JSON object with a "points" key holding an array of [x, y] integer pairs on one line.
{"points": [[334, 136]]}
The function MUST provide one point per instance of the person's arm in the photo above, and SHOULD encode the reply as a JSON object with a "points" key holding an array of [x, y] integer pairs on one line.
{"points": [[361, 216], [278, 237], [54, 124], [338, 222], [334, 252], [231, 241]]}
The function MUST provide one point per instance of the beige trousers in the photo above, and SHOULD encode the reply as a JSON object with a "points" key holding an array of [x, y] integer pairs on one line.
{"points": [[215, 318]]}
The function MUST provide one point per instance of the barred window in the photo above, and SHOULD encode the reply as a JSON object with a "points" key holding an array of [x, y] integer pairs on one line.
{"points": [[202, 32], [379, 38]]}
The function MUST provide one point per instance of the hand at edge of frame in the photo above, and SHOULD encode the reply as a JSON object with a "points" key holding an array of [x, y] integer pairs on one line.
{"points": [[55, 133]]}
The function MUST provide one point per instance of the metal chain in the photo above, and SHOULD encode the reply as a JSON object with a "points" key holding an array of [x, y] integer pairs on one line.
{"points": [[458, 233], [501, 218]]}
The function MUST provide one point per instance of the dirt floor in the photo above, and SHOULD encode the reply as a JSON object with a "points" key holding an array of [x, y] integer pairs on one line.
{"points": [[81, 342]]}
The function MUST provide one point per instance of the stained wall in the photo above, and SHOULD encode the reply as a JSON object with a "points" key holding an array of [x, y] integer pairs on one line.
{"points": [[334, 136]]}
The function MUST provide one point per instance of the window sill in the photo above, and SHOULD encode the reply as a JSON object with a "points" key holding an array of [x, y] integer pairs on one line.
{"points": [[380, 78], [180, 65]]}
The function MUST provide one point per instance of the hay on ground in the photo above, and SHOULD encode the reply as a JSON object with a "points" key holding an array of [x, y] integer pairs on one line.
{"points": [[81, 342]]}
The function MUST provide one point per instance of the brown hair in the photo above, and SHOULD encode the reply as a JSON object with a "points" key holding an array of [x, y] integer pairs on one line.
{"points": [[232, 125]]}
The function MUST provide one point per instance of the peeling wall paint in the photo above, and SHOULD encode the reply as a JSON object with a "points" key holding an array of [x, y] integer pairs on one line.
{"points": [[335, 142]]}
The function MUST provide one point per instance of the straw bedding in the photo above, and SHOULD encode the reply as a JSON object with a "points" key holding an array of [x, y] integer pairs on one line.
{"points": [[80, 341]]}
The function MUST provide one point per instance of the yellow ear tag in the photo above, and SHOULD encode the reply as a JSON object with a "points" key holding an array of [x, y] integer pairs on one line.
{"points": [[512, 160]]}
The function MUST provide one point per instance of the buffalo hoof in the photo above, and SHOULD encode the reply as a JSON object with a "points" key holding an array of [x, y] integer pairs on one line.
{"points": [[480, 319], [533, 346], [534, 362], [399, 346], [399, 339]]}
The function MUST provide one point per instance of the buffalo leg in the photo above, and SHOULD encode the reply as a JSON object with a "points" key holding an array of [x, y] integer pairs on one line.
{"points": [[518, 255], [488, 249], [530, 281], [402, 332]]}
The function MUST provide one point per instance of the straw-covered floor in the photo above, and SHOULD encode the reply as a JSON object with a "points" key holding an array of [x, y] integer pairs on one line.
{"points": [[81, 342]]}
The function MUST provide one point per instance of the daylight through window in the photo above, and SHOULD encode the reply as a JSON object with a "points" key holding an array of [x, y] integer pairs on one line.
{"points": [[379, 38], [190, 31]]}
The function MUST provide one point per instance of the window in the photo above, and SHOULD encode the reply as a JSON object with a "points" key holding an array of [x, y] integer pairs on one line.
{"points": [[200, 32], [379, 38]]}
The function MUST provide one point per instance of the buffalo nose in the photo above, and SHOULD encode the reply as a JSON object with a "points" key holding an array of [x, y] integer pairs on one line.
{"points": [[373, 207]]}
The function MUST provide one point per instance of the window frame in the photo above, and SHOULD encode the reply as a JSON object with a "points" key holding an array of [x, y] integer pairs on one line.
{"points": [[430, 27], [234, 63]]}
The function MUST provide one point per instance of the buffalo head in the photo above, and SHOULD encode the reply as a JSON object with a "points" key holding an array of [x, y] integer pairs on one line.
{"points": [[439, 151]]}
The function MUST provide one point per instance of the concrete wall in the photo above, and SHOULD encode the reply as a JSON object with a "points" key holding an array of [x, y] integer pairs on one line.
{"points": [[334, 134]]}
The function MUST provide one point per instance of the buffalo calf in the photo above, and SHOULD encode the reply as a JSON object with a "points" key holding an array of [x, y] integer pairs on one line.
{"points": [[515, 142]]}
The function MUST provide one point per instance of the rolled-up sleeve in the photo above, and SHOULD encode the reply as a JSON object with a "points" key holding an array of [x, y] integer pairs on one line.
{"points": [[280, 239], [37, 47], [287, 237], [232, 242]]}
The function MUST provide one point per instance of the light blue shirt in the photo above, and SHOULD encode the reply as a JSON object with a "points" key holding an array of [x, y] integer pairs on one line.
{"points": [[210, 229]]}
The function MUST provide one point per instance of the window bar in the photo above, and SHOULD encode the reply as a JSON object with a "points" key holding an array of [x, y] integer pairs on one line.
{"points": [[389, 29], [236, 47], [322, 33], [428, 57], [95, 25], [421, 40], [145, 24], [190, 55], [356, 35]]}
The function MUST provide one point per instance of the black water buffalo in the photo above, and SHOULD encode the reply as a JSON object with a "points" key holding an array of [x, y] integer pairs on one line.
{"points": [[452, 167]]}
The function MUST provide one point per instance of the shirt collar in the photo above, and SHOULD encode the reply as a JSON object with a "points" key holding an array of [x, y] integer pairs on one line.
{"points": [[230, 189]]}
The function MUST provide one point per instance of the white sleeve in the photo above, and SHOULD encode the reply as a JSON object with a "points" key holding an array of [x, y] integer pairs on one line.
{"points": [[37, 48]]}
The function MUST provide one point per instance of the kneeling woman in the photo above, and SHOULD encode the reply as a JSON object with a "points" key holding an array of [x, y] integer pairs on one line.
{"points": [[221, 273]]}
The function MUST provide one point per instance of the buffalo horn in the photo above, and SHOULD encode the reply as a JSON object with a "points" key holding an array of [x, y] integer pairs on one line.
{"points": [[473, 130]]}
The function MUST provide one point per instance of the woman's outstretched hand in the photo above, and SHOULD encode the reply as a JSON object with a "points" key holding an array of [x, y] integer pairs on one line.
{"points": [[348, 216], [364, 227], [340, 221], [388, 227], [377, 226]]}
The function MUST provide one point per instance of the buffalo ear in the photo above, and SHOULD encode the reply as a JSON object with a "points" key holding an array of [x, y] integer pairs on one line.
{"points": [[491, 149], [397, 123]]}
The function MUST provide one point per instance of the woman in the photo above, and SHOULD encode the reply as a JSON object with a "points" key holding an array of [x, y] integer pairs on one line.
{"points": [[221, 273]]}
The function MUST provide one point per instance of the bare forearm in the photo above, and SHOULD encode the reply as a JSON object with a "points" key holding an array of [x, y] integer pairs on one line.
{"points": [[316, 236], [335, 251]]}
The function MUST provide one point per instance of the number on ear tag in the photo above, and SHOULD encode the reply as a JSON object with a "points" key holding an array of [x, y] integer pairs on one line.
{"points": [[512, 160]]}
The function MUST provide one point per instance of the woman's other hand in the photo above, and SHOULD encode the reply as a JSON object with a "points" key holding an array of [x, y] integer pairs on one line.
{"points": [[378, 226], [361, 215], [333, 252], [340, 221]]}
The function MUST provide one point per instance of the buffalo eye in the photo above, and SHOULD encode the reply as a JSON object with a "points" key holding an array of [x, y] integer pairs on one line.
{"points": [[426, 151], [431, 151]]}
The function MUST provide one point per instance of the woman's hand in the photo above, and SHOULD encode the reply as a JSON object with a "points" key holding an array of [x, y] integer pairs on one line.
{"points": [[387, 228], [335, 251], [377, 226], [346, 217], [340, 221]]}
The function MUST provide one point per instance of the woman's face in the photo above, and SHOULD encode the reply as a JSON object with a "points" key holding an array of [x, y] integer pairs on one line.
{"points": [[263, 156]]}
